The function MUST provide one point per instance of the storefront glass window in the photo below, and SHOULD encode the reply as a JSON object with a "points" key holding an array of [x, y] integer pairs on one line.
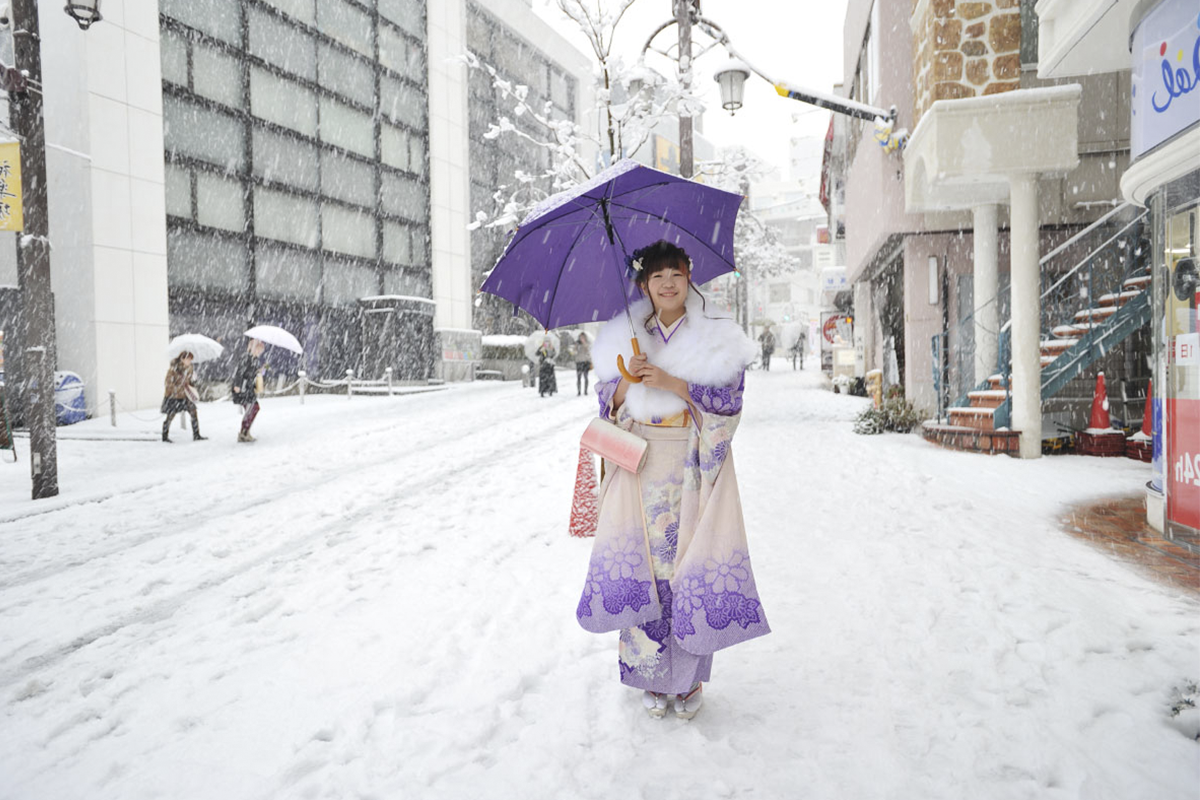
{"points": [[1181, 465]]}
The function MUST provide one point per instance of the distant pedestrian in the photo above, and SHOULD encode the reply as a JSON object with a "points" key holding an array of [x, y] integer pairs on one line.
{"points": [[179, 395], [583, 362], [798, 348], [767, 340], [547, 383], [245, 389]]}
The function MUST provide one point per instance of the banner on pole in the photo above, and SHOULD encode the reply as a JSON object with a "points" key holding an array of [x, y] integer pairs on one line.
{"points": [[12, 217]]}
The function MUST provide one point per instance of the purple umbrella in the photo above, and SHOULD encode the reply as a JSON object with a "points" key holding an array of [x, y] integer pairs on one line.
{"points": [[566, 262]]}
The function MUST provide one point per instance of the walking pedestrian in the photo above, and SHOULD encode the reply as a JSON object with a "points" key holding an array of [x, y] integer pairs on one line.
{"points": [[798, 348], [179, 395], [767, 340], [583, 362], [245, 389], [547, 383], [670, 567]]}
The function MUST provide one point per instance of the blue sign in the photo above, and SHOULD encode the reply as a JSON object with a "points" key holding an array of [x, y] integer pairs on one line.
{"points": [[1166, 74]]}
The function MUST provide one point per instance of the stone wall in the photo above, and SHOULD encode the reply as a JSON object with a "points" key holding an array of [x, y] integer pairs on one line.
{"points": [[964, 49]]}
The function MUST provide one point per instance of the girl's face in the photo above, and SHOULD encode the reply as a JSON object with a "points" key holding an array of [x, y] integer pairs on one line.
{"points": [[668, 288]]}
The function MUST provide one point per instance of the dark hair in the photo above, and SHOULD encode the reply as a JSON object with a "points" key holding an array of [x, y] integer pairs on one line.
{"points": [[655, 258]]}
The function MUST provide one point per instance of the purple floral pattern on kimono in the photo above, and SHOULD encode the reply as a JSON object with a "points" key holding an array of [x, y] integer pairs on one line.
{"points": [[620, 578], [717, 591], [723, 400], [604, 393]]}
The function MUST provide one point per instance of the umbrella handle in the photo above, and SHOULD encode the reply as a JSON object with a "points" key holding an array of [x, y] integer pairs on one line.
{"points": [[637, 351]]}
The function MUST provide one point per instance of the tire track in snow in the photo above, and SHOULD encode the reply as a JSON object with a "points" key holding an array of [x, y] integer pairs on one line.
{"points": [[166, 607], [155, 528]]}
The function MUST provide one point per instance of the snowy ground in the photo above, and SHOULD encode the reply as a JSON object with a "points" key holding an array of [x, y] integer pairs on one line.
{"points": [[376, 601]]}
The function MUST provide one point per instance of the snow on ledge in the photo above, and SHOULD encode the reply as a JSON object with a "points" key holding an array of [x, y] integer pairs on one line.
{"points": [[400, 297]]}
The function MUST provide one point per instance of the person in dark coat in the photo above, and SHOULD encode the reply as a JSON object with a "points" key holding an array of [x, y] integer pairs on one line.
{"points": [[767, 339], [244, 390], [547, 383], [179, 395]]}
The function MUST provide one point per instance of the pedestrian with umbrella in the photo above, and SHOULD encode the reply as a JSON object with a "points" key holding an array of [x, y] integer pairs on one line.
{"points": [[179, 390], [247, 378], [670, 567]]}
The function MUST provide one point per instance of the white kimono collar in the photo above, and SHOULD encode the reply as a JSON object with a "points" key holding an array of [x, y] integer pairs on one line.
{"points": [[666, 332]]}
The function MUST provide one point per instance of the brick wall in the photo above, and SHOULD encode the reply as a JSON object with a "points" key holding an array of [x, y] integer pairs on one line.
{"points": [[964, 49]]}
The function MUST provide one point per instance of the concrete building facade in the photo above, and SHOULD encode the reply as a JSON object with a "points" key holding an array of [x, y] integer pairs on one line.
{"points": [[219, 163]]}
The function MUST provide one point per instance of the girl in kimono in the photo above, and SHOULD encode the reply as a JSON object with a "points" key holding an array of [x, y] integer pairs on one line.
{"points": [[670, 566]]}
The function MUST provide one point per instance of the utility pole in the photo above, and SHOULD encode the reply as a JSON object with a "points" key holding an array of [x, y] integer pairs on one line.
{"points": [[33, 254], [683, 20]]}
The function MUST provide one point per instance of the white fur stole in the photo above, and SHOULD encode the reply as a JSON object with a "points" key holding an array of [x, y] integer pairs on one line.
{"points": [[704, 349]]}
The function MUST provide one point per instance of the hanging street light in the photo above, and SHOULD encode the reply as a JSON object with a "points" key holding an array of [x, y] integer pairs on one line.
{"points": [[732, 79], [84, 12]]}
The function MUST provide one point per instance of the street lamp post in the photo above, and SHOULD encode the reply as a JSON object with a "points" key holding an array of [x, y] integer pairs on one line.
{"points": [[33, 254], [684, 9]]}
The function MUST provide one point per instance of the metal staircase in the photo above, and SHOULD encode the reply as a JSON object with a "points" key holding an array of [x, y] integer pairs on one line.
{"points": [[1095, 296]]}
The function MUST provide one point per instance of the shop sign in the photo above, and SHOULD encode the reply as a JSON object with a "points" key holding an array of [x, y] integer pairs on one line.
{"points": [[833, 280], [835, 329], [1183, 469], [12, 216], [1166, 74], [1187, 349]]}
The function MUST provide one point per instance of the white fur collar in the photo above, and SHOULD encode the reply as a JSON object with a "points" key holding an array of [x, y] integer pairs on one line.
{"points": [[705, 349]]}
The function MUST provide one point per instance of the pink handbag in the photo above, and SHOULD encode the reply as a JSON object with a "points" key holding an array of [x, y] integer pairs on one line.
{"points": [[626, 450]]}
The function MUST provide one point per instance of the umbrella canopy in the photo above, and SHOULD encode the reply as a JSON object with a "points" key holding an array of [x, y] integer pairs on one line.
{"points": [[562, 267], [270, 334], [535, 341], [200, 346]]}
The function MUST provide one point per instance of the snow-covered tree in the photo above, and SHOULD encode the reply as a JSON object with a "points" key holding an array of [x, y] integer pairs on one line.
{"points": [[629, 101]]}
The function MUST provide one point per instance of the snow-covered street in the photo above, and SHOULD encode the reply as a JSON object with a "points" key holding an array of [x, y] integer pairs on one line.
{"points": [[376, 600]]}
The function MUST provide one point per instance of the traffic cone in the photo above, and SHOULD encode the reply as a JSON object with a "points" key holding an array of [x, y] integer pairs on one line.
{"points": [[1100, 420], [584, 513]]}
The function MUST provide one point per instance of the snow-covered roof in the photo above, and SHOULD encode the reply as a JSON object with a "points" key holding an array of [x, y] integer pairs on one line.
{"points": [[503, 340]]}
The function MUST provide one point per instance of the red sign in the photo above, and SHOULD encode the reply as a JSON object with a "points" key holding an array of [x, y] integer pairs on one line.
{"points": [[1183, 468]]}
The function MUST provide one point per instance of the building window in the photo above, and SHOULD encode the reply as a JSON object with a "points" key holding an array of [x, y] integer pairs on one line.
{"points": [[296, 158]]}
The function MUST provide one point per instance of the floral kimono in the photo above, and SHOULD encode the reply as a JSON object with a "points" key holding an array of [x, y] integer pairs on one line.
{"points": [[670, 567]]}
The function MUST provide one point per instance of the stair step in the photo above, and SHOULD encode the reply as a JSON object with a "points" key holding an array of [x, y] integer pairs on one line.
{"points": [[1074, 331], [1119, 299], [1093, 313], [987, 398], [1138, 283], [1047, 360], [972, 440], [1055, 347], [996, 382], [980, 419]]}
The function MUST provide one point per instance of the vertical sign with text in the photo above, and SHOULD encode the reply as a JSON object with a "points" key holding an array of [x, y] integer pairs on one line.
{"points": [[12, 217]]}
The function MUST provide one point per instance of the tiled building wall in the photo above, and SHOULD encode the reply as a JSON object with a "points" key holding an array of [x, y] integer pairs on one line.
{"points": [[964, 49]]}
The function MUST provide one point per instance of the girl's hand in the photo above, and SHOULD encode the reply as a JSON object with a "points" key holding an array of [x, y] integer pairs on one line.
{"points": [[658, 378], [637, 363]]}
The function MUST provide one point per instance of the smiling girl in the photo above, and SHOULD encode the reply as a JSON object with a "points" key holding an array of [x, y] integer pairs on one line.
{"points": [[670, 566]]}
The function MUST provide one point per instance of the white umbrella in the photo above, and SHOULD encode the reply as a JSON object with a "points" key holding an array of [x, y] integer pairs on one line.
{"points": [[271, 334], [200, 346], [535, 341]]}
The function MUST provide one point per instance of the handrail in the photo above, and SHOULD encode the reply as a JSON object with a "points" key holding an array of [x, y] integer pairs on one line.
{"points": [[1086, 231], [1093, 253]]}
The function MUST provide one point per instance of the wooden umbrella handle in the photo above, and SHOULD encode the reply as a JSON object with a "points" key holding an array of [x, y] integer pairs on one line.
{"points": [[637, 351]]}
